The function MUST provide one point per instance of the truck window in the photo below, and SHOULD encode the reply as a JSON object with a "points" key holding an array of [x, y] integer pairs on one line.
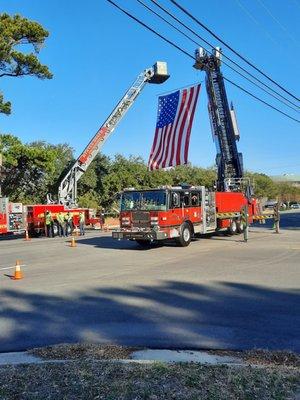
{"points": [[175, 200], [194, 199], [185, 199]]}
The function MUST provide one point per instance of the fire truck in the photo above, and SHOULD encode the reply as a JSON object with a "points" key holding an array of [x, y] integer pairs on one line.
{"points": [[32, 217], [179, 213], [11, 217]]}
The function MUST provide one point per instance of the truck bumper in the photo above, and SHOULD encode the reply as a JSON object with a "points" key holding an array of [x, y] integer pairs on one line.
{"points": [[140, 235]]}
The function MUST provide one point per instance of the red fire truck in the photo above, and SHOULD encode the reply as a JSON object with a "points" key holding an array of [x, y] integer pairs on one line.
{"points": [[35, 217], [15, 218], [180, 213], [11, 217]]}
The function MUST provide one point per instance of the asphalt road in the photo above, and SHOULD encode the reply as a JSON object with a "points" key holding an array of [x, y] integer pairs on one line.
{"points": [[217, 293]]}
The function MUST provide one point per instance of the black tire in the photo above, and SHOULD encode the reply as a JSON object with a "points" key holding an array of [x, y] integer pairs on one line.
{"points": [[143, 243], [185, 235], [240, 226], [34, 233], [232, 229]]}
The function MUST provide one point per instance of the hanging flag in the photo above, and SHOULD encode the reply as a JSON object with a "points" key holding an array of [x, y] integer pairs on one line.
{"points": [[173, 128]]}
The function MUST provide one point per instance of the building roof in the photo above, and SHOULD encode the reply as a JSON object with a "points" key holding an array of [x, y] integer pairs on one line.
{"points": [[286, 178]]}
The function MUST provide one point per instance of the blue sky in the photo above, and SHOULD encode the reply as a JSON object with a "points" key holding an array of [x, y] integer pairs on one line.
{"points": [[95, 53]]}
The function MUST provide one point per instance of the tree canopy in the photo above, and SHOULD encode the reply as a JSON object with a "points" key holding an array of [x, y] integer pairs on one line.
{"points": [[16, 34], [31, 170]]}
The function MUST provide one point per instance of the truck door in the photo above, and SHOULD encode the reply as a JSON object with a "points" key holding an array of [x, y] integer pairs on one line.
{"points": [[208, 209]]}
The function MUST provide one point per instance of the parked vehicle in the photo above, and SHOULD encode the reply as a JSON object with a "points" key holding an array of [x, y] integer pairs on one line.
{"points": [[295, 206]]}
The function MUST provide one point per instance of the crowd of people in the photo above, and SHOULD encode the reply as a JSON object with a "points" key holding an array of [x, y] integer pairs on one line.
{"points": [[65, 224]]}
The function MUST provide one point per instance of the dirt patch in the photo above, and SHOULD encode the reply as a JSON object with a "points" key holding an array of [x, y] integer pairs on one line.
{"points": [[83, 352], [263, 357], [114, 381]]}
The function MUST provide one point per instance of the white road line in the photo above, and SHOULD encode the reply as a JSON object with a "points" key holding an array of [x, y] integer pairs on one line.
{"points": [[22, 265]]}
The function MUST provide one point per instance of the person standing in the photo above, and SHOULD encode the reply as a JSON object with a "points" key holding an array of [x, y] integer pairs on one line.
{"points": [[49, 224], [69, 223], [61, 224], [81, 223]]}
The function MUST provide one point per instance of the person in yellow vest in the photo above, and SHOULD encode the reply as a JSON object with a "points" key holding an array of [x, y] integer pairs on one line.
{"points": [[81, 223], [61, 224], [49, 224], [68, 223]]}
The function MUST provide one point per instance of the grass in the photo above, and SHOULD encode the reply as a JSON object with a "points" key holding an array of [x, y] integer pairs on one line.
{"points": [[92, 379]]}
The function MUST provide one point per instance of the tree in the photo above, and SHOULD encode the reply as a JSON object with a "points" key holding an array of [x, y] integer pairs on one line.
{"points": [[263, 185], [17, 31], [30, 171]]}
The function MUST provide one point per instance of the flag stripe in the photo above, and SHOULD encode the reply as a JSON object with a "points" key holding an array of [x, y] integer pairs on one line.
{"points": [[182, 126], [187, 142]]}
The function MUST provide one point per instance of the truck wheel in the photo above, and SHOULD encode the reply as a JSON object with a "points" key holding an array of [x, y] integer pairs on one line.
{"points": [[240, 226], [232, 229], [55, 229], [185, 235], [34, 233]]}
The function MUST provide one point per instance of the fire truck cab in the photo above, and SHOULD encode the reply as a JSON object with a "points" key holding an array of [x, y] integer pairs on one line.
{"points": [[179, 213]]}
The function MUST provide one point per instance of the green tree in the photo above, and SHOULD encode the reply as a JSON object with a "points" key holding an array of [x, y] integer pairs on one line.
{"points": [[16, 32], [31, 170], [263, 185]]}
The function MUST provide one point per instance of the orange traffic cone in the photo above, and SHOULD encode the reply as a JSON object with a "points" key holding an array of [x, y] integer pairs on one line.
{"points": [[73, 242], [18, 273], [27, 238]]}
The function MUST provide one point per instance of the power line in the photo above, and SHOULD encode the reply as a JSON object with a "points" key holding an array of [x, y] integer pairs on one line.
{"points": [[262, 101], [190, 56], [283, 28], [224, 62], [256, 21], [231, 49]]}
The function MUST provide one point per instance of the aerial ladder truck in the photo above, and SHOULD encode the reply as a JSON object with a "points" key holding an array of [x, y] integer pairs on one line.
{"points": [[223, 122], [180, 212], [32, 217], [67, 192]]}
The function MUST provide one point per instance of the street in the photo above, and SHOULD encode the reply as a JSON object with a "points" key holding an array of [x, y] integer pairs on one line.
{"points": [[218, 293]]}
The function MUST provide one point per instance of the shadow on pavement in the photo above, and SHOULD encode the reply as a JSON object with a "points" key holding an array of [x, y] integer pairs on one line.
{"points": [[171, 315]]}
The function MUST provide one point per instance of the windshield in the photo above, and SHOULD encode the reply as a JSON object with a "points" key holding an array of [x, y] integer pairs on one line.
{"points": [[150, 200]]}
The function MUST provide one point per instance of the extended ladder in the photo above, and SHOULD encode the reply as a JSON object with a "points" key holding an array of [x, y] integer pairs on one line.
{"points": [[67, 192]]}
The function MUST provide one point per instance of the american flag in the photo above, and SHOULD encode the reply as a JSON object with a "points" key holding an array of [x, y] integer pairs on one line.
{"points": [[173, 128]]}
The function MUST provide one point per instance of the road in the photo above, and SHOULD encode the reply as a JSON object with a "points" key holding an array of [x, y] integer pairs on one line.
{"points": [[217, 293]]}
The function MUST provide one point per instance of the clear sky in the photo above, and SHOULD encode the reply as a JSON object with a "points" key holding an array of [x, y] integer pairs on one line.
{"points": [[95, 53]]}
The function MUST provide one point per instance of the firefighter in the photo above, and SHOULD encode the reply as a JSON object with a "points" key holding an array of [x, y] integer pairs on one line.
{"points": [[49, 224], [81, 223], [61, 224], [68, 223]]}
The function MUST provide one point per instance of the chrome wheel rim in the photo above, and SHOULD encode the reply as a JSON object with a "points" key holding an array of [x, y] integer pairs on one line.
{"points": [[186, 235], [233, 226]]}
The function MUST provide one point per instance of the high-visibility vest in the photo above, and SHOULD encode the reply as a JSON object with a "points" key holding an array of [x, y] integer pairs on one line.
{"points": [[48, 219], [60, 218], [81, 218]]}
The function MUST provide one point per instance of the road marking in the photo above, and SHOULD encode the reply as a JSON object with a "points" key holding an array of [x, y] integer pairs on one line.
{"points": [[22, 265]]}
